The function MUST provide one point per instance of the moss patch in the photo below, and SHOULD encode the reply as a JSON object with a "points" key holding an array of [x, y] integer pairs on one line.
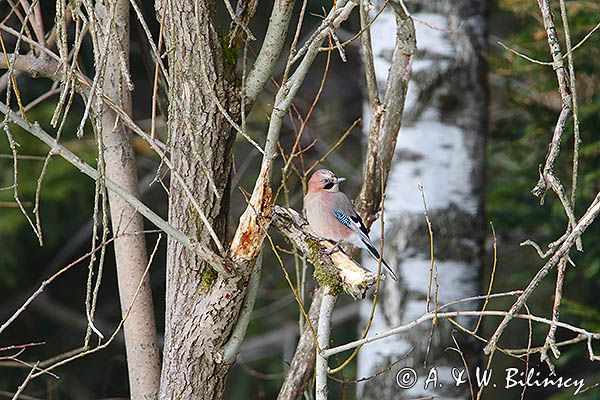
{"points": [[329, 280], [230, 54], [324, 274], [208, 277]]}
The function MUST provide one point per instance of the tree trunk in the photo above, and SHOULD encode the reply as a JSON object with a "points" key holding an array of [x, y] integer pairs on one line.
{"points": [[130, 250], [202, 307], [441, 144], [303, 364]]}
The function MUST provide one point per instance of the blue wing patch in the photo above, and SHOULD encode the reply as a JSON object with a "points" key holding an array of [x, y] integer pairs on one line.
{"points": [[343, 218]]}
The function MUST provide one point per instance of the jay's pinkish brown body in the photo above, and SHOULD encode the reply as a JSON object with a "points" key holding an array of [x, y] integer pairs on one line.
{"points": [[331, 214]]}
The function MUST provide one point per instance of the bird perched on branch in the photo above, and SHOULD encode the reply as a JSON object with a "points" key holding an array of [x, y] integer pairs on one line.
{"points": [[331, 215]]}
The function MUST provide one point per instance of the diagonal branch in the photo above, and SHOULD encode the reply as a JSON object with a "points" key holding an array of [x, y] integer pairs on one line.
{"points": [[249, 234], [271, 48], [563, 250], [386, 117], [203, 251], [336, 271]]}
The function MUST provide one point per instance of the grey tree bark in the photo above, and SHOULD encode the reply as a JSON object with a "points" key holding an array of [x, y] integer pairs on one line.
{"points": [[201, 307], [441, 144], [130, 250]]}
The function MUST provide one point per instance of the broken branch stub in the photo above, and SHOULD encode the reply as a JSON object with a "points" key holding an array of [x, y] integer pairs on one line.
{"points": [[337, 271], [249, 236]]}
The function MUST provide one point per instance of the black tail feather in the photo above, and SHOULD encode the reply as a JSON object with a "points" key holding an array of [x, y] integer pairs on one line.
{"points": [[376, 255]]}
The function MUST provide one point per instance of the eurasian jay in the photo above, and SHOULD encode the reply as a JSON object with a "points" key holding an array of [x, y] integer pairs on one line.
{"points": [[331, 215]]}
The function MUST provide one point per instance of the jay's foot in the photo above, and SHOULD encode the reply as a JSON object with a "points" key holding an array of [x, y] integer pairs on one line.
{"points": [[334, 248]]}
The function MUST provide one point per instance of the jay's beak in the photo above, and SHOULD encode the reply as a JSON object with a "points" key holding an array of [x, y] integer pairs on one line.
{"points": [[339, 180]]}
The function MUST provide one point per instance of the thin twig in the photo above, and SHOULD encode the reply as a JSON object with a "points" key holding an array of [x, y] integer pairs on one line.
{"points": [[199, 248], [575, 105], [493, 274], [576, 233], [119, 326], [429, 316], [550, 342], [525, 56], [25, 382]]}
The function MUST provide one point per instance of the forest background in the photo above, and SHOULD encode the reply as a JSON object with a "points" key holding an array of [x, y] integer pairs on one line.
{"points": [[523, 107]]}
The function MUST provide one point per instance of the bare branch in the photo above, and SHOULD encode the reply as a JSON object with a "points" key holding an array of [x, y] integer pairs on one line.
{"points": [[303, 363], [271, 48], [547, 179], [200, 249], [450, 314], [550, 342], [563, 250], [386, 118], [232, 346], [35, 19], [576, 136], [155, 50], [25, 382]]}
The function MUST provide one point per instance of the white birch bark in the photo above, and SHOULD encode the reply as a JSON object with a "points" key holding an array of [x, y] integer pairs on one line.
{"points": [[441, 144]]}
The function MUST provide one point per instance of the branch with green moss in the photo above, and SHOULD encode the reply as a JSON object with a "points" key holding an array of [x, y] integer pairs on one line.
{"points": [[336, 271]]}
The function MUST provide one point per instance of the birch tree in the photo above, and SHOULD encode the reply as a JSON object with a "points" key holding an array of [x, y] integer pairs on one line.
{"points": [[441, 146]]}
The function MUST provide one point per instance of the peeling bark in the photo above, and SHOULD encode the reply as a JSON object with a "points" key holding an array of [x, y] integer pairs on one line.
{"points": [[250, 235]]}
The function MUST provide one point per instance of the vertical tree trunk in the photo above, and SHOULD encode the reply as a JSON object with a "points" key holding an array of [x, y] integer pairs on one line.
{"points": [[202, 307], [441, 144], [130, 250]]}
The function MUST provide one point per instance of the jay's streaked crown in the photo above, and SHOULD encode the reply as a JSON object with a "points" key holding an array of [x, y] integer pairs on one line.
{"points": [[324, 179]]}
